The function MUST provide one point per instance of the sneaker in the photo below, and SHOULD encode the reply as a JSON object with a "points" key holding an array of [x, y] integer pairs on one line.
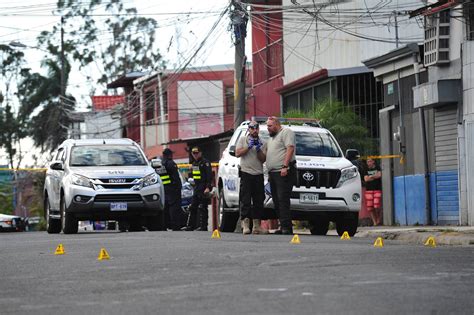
{"points": [[246, 226]]}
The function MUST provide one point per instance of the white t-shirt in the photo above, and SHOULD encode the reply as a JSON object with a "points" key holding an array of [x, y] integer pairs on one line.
{"points": [[276, 149], [249, 163]]}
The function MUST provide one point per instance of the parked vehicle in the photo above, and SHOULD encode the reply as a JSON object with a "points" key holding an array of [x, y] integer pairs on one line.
{"points": [[327, 188], [102, 179], [11, 223]]}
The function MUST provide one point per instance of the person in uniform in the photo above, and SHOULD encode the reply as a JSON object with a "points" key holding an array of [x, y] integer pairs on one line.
{"points": [[174, 217], [201, 173], [251, 193]]}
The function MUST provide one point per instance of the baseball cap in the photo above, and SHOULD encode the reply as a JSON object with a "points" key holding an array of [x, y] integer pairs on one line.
{"points": [[253, 125], [195, 150], [167, 152]]}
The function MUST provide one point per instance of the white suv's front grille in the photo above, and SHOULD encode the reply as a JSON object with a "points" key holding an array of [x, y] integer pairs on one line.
{"points": [[317, 178], [116, 183]]}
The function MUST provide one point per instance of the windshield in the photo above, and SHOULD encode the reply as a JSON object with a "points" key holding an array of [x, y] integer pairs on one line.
{"points": [[106, 155], [316, 144], [312, 143]]}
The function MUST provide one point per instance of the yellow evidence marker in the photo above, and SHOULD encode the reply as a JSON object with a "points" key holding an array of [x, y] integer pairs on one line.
{"points": [[378, 242], [216, 234], [60, 250], [430, 242], [345, 236], [103, 254], [295, 239]]}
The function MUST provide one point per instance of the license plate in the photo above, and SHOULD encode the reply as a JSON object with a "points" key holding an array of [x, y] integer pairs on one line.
{"points": [[309, 198], [118, 206]]}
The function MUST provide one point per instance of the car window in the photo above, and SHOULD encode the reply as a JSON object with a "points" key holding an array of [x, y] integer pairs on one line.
{"points": [[106, 155], [316, 144], [60, 155], [235, 137]]}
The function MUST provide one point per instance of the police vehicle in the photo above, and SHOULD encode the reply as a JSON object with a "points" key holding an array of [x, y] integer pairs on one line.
{"points": [[327, 185], [102, 179]]}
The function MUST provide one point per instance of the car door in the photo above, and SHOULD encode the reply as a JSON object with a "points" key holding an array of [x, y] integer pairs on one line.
{"points": [[231, 180], [55, 177]]}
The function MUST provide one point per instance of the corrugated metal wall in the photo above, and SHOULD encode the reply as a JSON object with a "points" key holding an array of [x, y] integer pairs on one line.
{"points": [[446, 161]]}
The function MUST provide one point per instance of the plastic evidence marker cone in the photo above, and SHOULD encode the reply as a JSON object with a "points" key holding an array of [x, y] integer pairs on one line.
{"points": [[345, 236], [216, 234], [60, 250], [378, 242], [295, 239], [430, 242], [103, 254]]}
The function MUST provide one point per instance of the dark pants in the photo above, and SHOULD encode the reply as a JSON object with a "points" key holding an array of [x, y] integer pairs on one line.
{"points": [[198, 210], [251, 196], [281, 187], [175, 218]]}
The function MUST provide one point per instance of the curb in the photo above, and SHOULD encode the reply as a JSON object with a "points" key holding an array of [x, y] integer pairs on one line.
{"points": [[420, 237]]}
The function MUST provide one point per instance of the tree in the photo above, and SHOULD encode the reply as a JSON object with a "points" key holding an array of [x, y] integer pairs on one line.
{"points": [[11, 127], [124, 44], [343, 123], [129, 49]]}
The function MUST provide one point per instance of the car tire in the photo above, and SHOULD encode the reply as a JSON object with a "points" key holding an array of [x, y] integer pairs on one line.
{"points": [[53, 226], [135, 225], [347, 222], [319, 226], [155, 223], [69, 224], [122, 226], [228, 219]]}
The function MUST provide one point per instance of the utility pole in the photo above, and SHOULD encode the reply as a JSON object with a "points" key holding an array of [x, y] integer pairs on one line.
{"points": [[239, 20], [63, 84]]}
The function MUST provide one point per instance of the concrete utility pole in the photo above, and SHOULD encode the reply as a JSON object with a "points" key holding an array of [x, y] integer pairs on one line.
{"points": [[239, 19], [63, 84]]}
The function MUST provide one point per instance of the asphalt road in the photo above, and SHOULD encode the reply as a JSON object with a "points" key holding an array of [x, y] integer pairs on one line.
{"points": [[190, 273]]}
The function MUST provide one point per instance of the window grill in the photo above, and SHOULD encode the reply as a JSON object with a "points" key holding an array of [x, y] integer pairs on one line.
{"points": [[436, 44]]}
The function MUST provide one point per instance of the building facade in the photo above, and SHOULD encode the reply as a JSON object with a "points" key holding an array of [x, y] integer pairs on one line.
{"points": [[435, 135]]}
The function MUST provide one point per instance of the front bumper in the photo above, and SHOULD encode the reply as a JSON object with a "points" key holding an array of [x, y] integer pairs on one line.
{"points": [[330, 200], [96, 204]]}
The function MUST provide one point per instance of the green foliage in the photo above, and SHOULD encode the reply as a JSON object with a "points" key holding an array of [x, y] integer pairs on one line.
{"points": [[130, 49], [11, 127], [343, 123], [6, 197]]}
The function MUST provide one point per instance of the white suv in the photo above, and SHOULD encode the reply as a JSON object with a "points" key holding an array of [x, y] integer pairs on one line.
{"points": [[327, 188], [107, 179]]}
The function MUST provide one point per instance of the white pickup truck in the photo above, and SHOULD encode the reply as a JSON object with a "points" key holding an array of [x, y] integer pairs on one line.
{"points": [[327, 188]]}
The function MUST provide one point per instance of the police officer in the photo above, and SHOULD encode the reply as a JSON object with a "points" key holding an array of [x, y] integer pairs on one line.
{"points": [[169, 175], [201, 172]]}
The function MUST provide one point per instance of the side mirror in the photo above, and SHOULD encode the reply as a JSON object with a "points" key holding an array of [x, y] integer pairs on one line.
{"points": [[57, 166], [232, 150], [352, 154], [156, 163]]}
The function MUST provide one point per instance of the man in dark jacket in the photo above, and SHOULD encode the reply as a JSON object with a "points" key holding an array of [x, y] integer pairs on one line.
{"points": [[201, 173], [173, 215]]}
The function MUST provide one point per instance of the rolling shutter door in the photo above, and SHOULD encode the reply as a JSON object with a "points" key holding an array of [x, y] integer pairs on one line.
{"points": [[446, 161]]}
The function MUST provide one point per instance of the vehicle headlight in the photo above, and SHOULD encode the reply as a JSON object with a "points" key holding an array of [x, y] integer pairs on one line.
{"points": [[80, 180], [150, 179], [347, 174]]}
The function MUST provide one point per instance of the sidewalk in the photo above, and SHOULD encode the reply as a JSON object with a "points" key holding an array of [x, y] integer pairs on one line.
{"points": [[444, 235]]}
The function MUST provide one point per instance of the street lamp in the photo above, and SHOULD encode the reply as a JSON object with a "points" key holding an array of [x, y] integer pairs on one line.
{"points": [[17, 44]]}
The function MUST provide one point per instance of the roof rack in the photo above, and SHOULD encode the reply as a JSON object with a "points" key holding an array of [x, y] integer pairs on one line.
{"points": [[311, 122]]}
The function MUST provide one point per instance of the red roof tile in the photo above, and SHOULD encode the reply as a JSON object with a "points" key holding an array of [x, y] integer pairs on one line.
{"points": [[104, 102]]}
